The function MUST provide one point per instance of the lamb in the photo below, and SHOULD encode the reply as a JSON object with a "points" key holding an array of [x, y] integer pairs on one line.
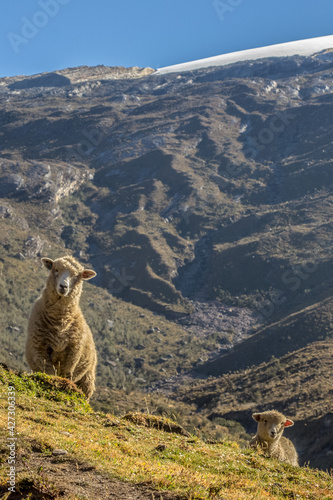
{"points": [[59, 340], [271, 425]]}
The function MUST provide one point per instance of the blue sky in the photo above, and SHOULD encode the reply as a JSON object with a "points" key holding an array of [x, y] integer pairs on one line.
{"points": [[45, 35]]}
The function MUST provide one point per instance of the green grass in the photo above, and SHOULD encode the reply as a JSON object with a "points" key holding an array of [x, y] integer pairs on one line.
{"points": [[126, 450], [41, 385]]}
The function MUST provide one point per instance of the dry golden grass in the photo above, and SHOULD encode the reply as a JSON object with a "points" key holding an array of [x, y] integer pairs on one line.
{"points": [[137, 454]]}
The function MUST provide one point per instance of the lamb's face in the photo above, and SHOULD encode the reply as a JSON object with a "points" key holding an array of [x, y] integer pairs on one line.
{"points": [[64, 278], [271, 425]]}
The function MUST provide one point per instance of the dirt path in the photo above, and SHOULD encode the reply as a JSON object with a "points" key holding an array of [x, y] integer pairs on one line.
{"points": [[51, 478]]}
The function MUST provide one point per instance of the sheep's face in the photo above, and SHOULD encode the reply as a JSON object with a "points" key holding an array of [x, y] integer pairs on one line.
{"points": [[66, 274], [271, 424], [64, 281]]}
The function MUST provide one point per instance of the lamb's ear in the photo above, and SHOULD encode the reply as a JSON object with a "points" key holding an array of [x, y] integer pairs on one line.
{"points": [[288, 423], [48, 263], [256, 417], [87, 274]]}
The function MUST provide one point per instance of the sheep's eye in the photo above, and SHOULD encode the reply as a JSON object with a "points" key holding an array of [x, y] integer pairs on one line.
{"points": [[265, 421]]}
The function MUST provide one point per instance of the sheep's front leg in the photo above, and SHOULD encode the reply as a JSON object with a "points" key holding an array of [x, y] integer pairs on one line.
{"points": [[87, 384], [67, 362]]}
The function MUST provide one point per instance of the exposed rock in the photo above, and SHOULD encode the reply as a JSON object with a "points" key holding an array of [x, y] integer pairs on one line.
{"points": [[59, 452], [51, 183], [110, 323], [72, 76], [33, 247], [6, 211], [10, 184], [21, 223], [111, 363], [101, 72], [208, 318], [46, 182]]}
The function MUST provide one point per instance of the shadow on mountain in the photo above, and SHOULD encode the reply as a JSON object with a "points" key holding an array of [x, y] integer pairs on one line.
{"points": [[291, 333], [48, 80], [313, 440]]}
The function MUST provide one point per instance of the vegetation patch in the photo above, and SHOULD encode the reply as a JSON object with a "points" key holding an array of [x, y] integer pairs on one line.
{"points": [[46, 386], [155, 422]]}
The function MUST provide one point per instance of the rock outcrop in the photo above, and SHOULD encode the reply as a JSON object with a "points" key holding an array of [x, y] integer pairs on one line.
{"points": [[46, 182]]}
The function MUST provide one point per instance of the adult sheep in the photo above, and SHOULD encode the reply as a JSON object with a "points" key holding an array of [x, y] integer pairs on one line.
{"points": [[271, 425], [59, 340]]}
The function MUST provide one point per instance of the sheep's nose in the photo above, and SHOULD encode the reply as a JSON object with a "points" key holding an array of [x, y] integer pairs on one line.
{"points": [[273, 433], [62, 287]]}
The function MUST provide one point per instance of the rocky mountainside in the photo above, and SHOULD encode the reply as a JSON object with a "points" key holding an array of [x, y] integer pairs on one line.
{"points": [[197, 185], [194, 195], [73, 76]]}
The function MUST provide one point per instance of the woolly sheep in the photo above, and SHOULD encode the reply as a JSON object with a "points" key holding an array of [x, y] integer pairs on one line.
{"points": [[271, 425], [59, 340]]}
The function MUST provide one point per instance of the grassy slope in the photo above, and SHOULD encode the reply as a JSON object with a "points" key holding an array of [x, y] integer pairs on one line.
{"points": [[298, 384], [46, 407]]}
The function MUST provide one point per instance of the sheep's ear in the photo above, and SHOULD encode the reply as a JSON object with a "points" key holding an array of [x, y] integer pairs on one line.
{"points": [[256, 417], [48, 263], [87, 274], [288, 423]]}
